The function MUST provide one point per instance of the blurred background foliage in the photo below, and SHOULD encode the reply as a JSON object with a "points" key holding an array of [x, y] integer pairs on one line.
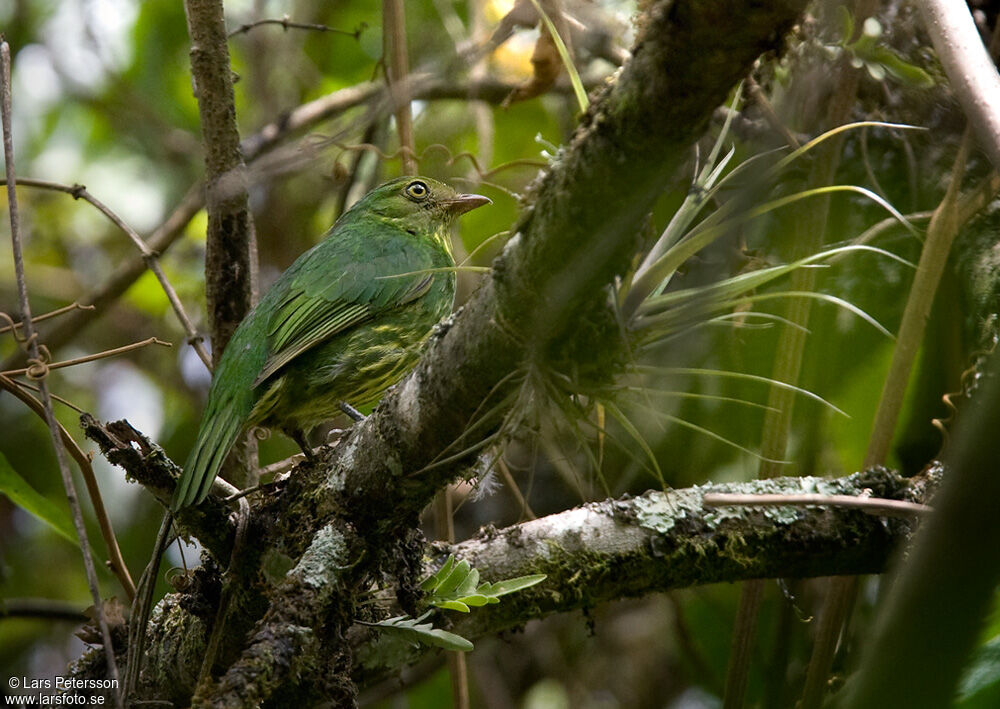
{"points": [[102, 97]]}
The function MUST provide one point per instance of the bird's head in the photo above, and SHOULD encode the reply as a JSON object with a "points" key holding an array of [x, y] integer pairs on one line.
{"points": [[418, 204]]}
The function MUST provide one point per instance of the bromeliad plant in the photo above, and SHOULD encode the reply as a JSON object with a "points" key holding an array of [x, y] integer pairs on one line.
{"points": [[653, 310]]}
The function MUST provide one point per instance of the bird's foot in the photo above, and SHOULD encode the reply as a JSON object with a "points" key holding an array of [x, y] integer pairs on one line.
{"points": [[299, 437], [352, 412]]}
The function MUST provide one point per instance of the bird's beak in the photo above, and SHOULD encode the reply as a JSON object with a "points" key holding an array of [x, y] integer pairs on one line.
{"points": [[463, 203]]}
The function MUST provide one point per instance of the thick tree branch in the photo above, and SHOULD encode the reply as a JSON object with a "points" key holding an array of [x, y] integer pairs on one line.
{"points": [[660, 541], [591, 554]]}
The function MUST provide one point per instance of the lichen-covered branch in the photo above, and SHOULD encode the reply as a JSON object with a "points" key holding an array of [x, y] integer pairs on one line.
{"points": [[590, 555], [660, 541]]}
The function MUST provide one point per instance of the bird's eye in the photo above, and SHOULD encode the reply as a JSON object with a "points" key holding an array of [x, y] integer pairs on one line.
{"points": [[417, 190]]}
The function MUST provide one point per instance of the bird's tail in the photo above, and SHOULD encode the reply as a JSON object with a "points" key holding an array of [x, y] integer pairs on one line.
{"points": [[220, 428]]}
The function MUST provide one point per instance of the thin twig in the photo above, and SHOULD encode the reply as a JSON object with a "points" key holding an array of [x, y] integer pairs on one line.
{"points": [[55, 397], [142, 605], [229, 585], [872, 505], [458, 671], [511, 484], [287, 24], [149, 256], [115, 560], [770, 115], [124, 276], [44, 608], [38, 369], [15, 326], [34, 353]]}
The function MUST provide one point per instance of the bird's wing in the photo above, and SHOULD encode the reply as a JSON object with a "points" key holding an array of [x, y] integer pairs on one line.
{"points": [[324, 300]]}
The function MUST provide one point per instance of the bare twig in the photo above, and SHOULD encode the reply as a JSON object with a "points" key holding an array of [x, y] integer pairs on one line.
{"points": [[34, 353], [142, 605], [56, 398], [872, 505], [95, 302], [115, 560], [15, 326], [43, 608], [511, 484], [287, 24], [148, 255], [39, 368], [779, 127]]}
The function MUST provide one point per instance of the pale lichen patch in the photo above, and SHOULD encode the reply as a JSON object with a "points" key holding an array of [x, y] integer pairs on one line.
{"points": [[324, 559]]}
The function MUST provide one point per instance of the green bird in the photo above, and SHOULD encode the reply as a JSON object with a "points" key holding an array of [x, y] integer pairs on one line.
{"points": [[341, 325]]}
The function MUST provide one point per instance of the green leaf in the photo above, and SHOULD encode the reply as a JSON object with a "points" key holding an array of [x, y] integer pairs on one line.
{"points": [[28, 499], [456, 587], [475, 600], [453, 580], [469, 583], [875, 70], [453, 606], [846, 21], [983, 673], [502, 588], [902, 70], [433, 581], [425, 633]]}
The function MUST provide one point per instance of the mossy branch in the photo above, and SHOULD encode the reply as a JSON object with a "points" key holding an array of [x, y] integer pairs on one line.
{"points": [[660, 541], [590, 555]]}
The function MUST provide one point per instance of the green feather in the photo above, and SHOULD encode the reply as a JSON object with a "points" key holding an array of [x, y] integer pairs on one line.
{"points": [[343, 323]]}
